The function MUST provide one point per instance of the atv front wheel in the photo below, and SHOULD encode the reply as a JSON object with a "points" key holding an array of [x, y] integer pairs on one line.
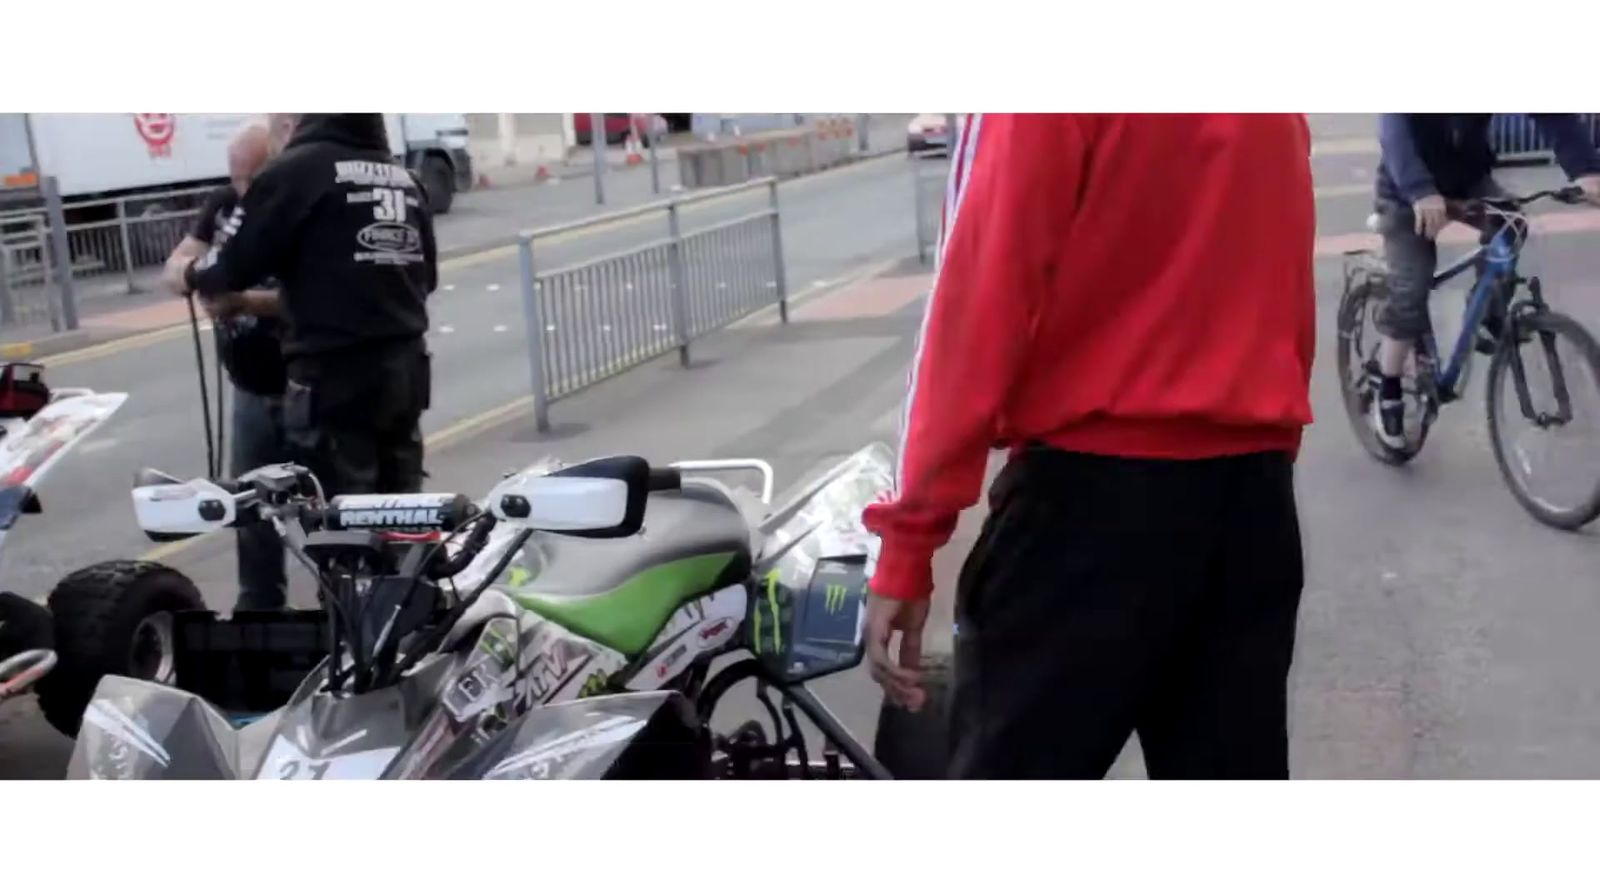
{"points": [[111, 618]]}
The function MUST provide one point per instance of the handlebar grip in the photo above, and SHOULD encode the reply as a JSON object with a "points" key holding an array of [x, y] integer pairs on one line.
{"points": [[665, 479]]}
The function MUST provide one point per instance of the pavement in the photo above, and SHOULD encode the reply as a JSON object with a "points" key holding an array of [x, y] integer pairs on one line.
{"points": [[1443, 632]]}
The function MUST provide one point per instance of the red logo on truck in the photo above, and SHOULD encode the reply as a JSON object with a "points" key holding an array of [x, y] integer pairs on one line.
{"points": [[156, 131]]}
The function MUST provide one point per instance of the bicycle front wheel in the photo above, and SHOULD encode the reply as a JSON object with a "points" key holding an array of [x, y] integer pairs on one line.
{"points": [[1544, 418], [1356, 364]]}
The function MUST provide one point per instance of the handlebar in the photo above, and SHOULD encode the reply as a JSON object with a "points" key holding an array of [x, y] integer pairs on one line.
{"points": [[1567, 195]]}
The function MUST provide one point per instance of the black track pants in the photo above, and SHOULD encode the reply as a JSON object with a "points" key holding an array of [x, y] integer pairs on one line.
{"points": [[1108, 596]]}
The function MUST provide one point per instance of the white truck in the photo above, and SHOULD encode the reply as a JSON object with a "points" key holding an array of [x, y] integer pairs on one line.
{"points": [[107, 155]]}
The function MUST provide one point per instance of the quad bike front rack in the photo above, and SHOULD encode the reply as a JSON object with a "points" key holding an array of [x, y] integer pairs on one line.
{"points": [[19, 672]]}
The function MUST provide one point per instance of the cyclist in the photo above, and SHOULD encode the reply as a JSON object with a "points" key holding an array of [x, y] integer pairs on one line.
{"points": [[1429, 161]]}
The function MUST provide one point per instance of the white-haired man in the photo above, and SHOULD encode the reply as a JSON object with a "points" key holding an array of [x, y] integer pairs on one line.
{"points": [[249, 343]]}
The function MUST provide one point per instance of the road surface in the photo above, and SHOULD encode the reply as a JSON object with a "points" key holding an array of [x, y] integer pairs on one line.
{"points": [[1443, 633]]}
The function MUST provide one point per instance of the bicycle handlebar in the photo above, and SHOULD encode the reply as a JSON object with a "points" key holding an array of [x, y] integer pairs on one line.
{"points": [[1567, 195]]}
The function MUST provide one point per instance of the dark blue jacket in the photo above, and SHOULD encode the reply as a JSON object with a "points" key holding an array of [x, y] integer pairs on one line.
{"points": [[1449, 155]]}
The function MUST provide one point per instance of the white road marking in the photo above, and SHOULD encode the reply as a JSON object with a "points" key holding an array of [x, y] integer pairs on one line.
{"points": [[450, 287], [660, 327], [722, 285], [605, 328], [1344, 190], [446, 330], [819, 283], [550, 328], [628, 286], [494, 286], [501, 328]]}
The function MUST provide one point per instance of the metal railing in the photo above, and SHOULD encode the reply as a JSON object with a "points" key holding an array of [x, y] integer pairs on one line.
{"points": [[588, 321], [929, 174], [116, 243], [1516, 138]]}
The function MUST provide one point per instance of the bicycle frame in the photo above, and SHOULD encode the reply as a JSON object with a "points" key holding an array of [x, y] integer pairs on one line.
{"points": [[1500, 268]]}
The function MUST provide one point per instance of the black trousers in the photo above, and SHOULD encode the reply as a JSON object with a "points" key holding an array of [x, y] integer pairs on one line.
{"points": [[354, 418], [1108, 596], [258, 439]]}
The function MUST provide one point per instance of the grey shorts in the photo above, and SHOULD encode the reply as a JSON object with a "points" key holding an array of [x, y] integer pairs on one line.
{"points": [[1411, 260]]}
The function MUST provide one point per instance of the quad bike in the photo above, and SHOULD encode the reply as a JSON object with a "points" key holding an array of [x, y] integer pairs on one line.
{"points": [[569, 627], [50, 649]]}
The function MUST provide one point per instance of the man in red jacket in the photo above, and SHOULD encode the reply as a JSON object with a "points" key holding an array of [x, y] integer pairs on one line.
{"points": [[1125, 303]]}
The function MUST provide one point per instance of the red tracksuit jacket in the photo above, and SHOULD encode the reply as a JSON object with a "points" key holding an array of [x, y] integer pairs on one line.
{"points": [[1129, 285]]}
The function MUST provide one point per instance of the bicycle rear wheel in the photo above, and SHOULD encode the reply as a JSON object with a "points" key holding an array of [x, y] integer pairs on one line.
{"points": [[1364, 296], [1544, 418]]}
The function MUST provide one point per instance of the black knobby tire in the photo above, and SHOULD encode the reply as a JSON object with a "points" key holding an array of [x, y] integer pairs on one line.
{"points": [[1360, 290], [24, 626], [97, 611], [1560, 325], [440, 183]]}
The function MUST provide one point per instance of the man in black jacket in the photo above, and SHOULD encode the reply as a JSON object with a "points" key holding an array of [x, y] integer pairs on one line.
{"points": [[347, 234]]}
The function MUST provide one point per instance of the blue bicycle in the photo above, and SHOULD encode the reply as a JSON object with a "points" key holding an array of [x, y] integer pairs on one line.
{"points": [[1550, 362]]}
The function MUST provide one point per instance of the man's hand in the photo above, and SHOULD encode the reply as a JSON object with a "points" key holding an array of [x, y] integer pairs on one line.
{"points": [[900, 676], [223, 307], [1591, 188], [1432, 217]]}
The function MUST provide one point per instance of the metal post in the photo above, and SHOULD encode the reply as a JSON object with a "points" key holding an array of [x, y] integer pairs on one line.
{"points": [[951, 122], [861, 130], [921, 203], [127, 245], [680, 285], [655, 169], [780, 275], [61, 251], [534, 320], [597, 145], [8, 309]]}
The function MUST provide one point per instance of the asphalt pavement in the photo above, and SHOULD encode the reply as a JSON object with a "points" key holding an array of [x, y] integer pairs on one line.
{"points": [[1443, 632]]}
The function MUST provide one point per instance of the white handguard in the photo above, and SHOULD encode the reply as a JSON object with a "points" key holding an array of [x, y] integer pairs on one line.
{"points": [[172, 510], [536, 501]]}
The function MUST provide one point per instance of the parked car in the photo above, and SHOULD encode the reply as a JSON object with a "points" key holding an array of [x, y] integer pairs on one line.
{"points": [[928, 133], [617, 125]]}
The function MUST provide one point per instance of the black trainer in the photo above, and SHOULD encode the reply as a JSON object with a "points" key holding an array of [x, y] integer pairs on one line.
{"points": [[1388, 417]]}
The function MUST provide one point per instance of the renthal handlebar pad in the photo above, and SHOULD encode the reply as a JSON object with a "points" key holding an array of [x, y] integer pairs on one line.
{"points": [[407, 511]]}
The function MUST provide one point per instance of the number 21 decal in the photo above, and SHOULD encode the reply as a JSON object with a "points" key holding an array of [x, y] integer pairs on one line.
{"points": [[291, 770]]}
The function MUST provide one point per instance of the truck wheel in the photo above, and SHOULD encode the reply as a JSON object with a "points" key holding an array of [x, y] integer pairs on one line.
{"points": [[440, 182], [111, 618], [917, 745]]}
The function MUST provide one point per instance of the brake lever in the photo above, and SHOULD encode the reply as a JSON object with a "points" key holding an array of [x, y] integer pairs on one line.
{"points": [[1569, 195]]}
